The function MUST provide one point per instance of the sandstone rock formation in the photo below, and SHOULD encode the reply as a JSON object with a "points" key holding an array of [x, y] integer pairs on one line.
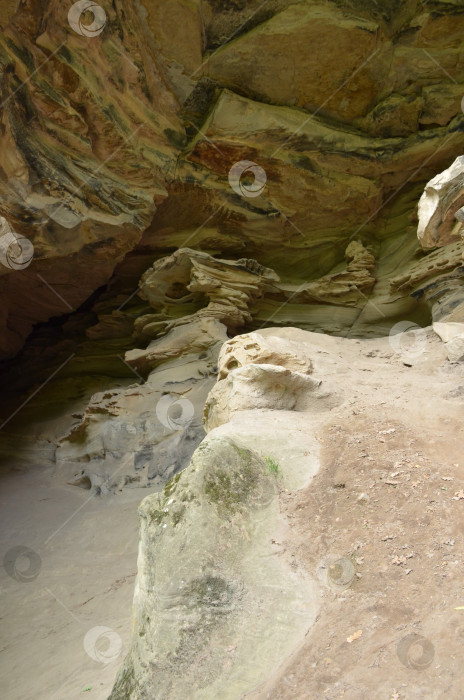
{"points": [[439, 207], [198, 299], [190, 277], [255, 348], [117, 148], [208, 596], [208, 575], [440, 226], [376, 412], [144, 434], [210, 617], [180, 364], [261, 372], [183, 172], [84, 154], [452, 335], [291, 384], [383, 46], [258, 386]]}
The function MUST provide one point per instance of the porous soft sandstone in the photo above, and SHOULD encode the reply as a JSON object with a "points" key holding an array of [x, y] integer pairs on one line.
{"points": [[440, 220], [118, 149], [208, 582], [116, 160], [210, 619]]}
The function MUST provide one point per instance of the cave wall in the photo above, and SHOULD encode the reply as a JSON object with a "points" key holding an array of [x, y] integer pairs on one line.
{"points": [[297, 136], [122, 143]]}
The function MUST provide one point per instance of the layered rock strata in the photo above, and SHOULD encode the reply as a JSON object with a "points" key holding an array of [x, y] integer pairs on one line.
{"points": [[441, 224], [123, 142]]}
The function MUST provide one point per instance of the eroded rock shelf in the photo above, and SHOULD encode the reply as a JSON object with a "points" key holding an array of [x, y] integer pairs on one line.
{"points": [[242, 260]]}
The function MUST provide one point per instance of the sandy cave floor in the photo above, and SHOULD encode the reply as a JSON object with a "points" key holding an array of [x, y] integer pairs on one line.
{"points": [[87, 573], [388, 502]]}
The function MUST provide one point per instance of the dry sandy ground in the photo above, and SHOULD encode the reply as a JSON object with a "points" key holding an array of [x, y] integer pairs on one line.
{"points": [[380, 527], [84, 579]]}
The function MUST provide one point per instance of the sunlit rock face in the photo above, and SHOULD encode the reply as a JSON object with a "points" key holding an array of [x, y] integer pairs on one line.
{"points": [[441, 226], [124, 142], [210, 617], [441, 222], [441, 207]]}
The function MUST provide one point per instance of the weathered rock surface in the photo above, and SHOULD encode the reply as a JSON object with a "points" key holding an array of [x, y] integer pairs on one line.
{"points": [[205, 558], [452, 335], [285, 424], [256, 348], [191, 339], [116, 149], [440, 225], [273, 64], [85, 154], [258, 386], [257, 162], [191, 277], [325, 188], [142, 435], [193, 605], [384, 415], [442, 199], [210, 615], [180, 363]]}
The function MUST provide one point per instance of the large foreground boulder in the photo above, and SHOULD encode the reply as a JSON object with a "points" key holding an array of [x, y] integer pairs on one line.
{"points": [[214, 611]]}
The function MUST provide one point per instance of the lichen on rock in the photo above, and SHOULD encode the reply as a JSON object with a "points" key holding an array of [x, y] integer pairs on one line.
{"points": [[203, 582]]}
